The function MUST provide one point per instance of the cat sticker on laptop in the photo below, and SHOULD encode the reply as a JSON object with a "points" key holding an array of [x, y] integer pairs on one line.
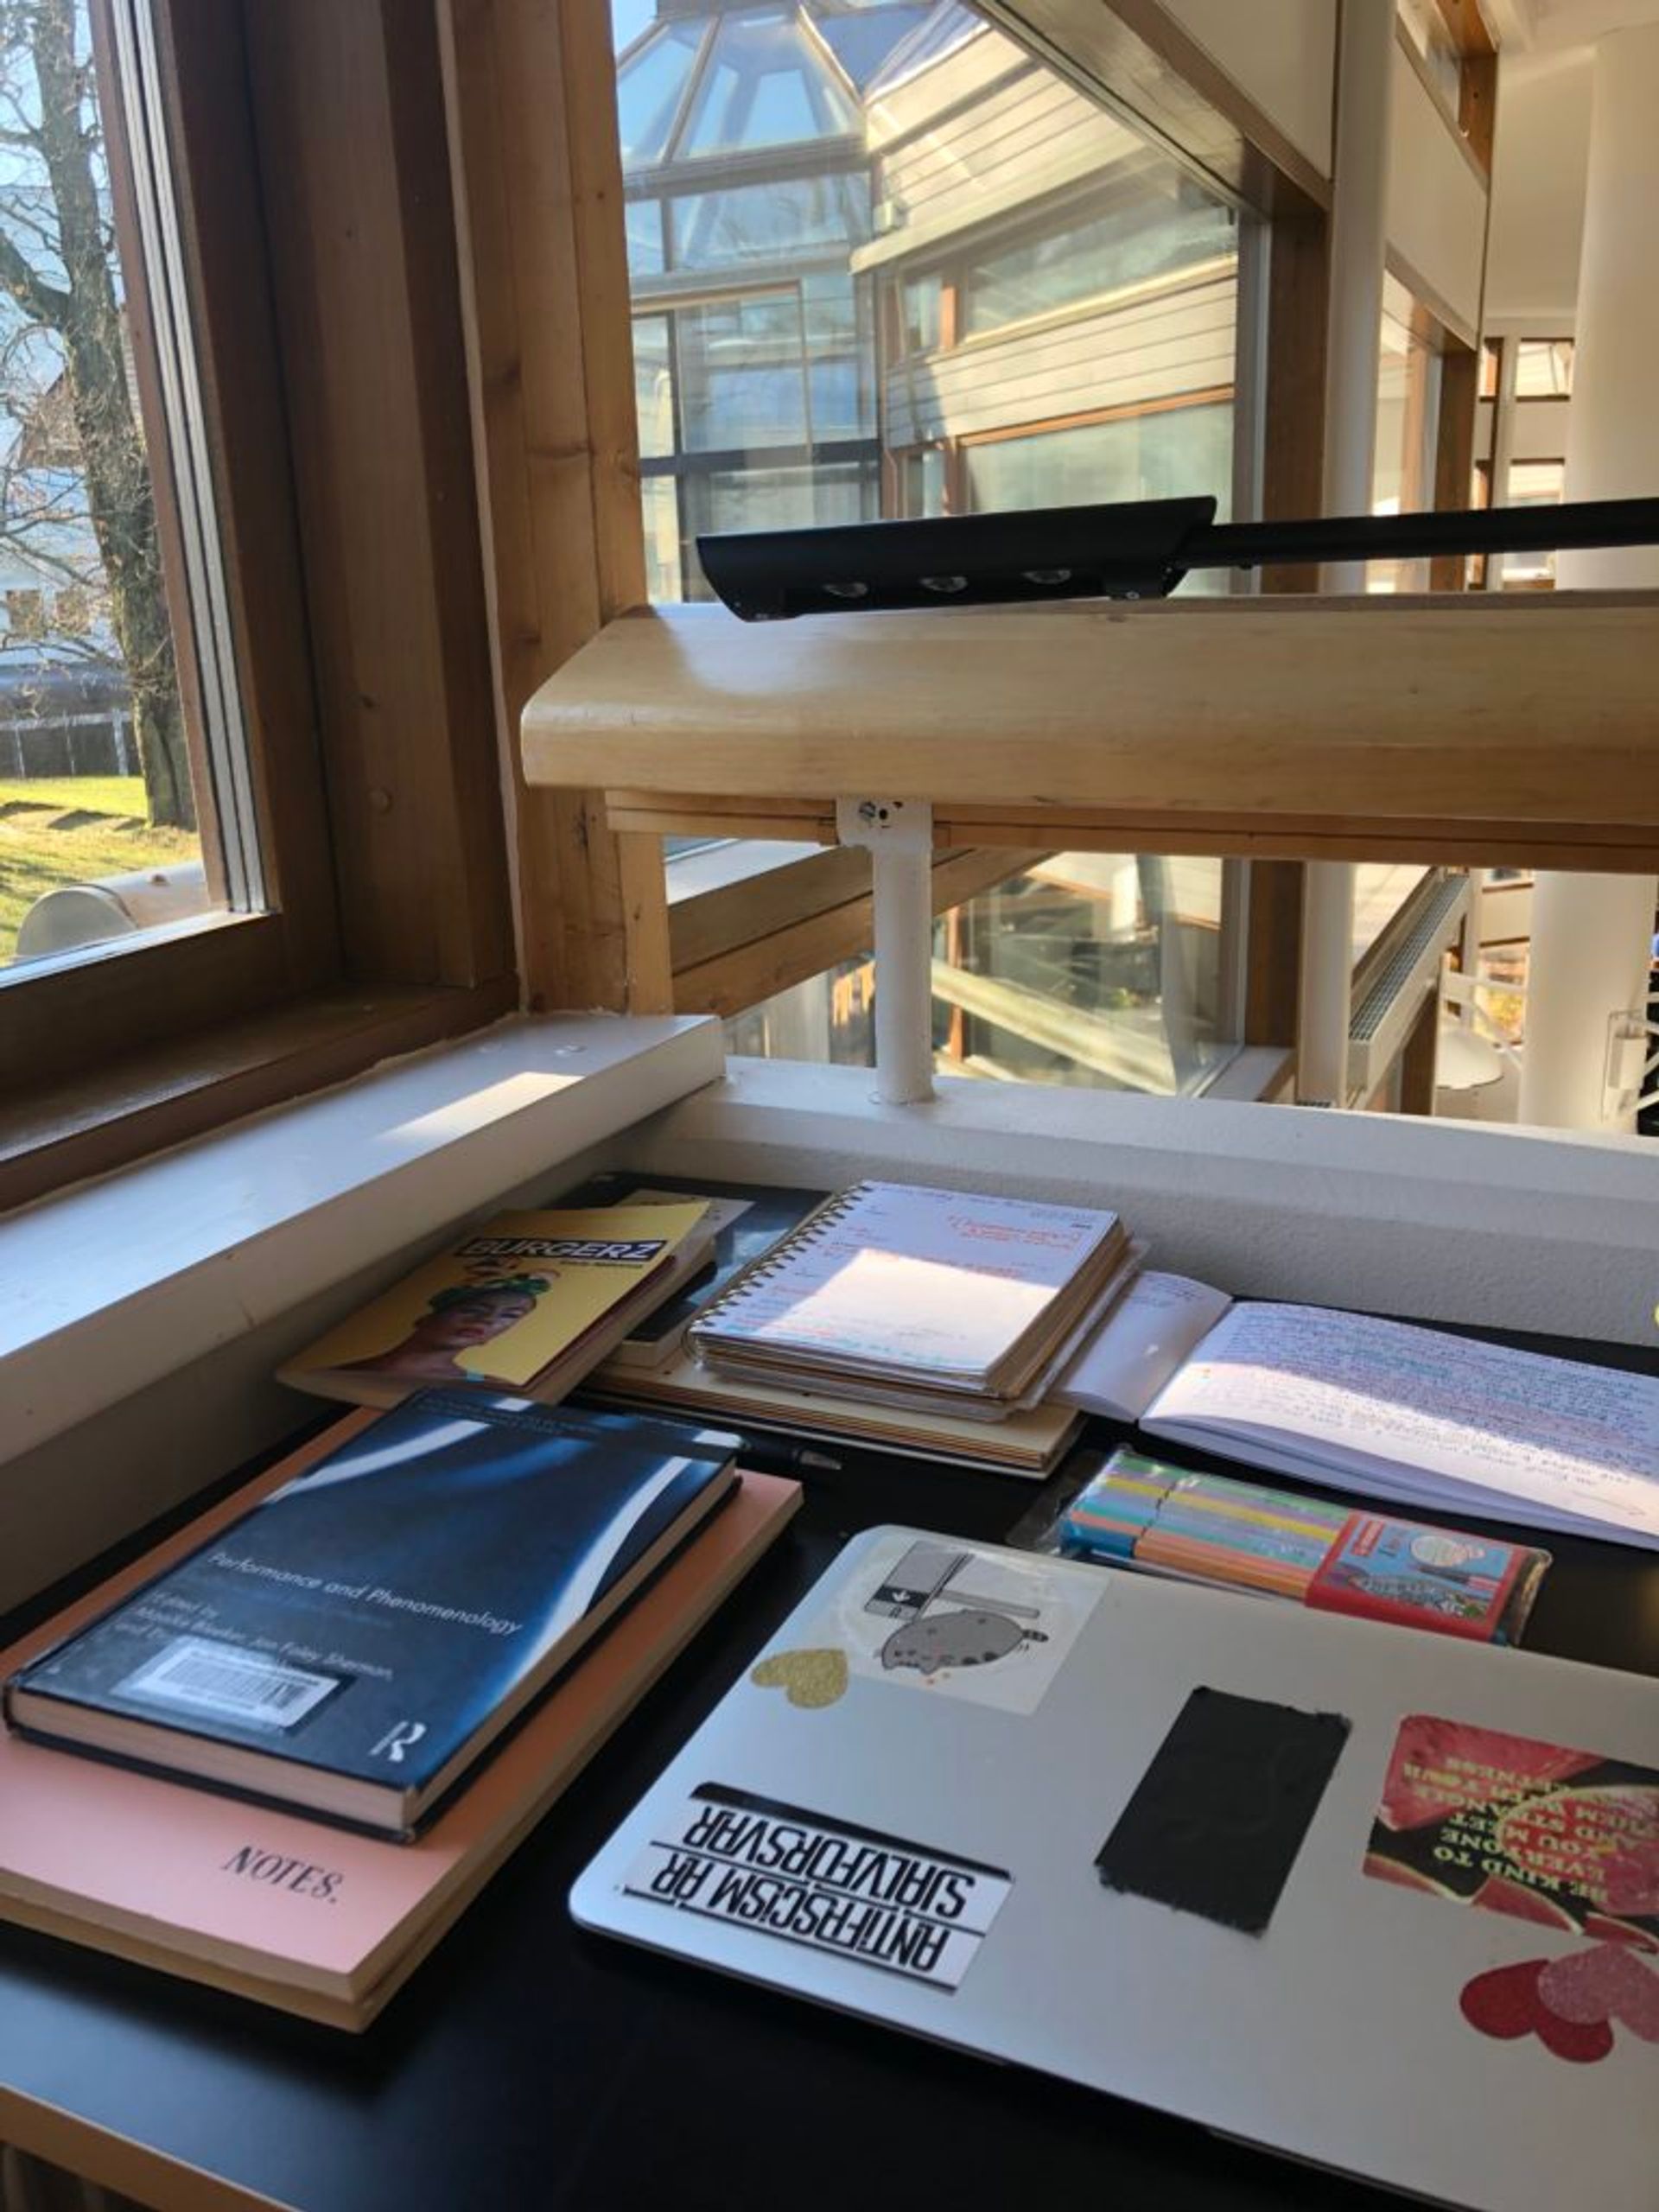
{"points": [[931, 1615]]}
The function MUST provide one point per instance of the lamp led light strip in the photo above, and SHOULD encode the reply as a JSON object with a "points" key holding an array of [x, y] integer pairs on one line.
{"points": [[1136, 550]]}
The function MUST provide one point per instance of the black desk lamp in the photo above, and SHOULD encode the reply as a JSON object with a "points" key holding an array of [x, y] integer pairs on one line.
{"points": [[1137, 550]]}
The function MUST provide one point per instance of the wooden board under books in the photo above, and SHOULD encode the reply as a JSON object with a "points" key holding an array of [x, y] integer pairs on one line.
{"points": [[186, 1880]]}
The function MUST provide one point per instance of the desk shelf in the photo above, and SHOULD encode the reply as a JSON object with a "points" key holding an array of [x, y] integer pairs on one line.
{"points": [[1466, 729]]}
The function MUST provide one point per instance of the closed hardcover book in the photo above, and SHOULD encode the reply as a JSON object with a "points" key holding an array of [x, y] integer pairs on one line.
{"points": [[526, 1300], [352, 1645], [283, 1908]]}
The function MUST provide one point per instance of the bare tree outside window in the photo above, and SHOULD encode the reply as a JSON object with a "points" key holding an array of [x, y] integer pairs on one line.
{"points": [[86, 648]]}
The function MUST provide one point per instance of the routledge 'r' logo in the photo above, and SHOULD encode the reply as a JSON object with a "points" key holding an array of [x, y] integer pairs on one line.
{"points": [[397, 1739]]}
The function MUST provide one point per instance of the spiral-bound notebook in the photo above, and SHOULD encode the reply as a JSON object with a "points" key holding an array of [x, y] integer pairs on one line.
{"points": [[921, 1297]]}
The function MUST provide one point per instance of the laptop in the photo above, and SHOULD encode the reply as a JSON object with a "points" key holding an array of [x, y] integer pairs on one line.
{"points": [[1377, 1898]]}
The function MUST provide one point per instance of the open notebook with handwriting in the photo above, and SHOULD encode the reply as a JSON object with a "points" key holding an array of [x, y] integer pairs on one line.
{"points": [[1382, 1407]]}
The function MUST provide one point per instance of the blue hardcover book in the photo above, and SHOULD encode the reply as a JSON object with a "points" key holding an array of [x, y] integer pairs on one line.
{"points": [[352, 1645]]}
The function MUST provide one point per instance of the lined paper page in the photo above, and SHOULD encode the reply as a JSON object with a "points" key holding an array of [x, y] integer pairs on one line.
{"points": [[1434, 1418]]}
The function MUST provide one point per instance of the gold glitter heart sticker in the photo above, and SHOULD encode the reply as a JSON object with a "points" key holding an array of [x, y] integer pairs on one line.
{"points": [[808, 1678]]}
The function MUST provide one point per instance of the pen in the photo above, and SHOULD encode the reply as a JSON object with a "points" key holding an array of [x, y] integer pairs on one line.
{"points": [[772, 1455]]}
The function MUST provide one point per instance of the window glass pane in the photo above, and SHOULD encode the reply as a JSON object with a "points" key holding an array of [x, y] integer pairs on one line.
{"points": [[649, 88], [774, 223], [631, 19], [1157, 456], [1533, 484], [777, 498], [865, 40], [840, 356], [660, 497], [1157, 223], [770, 499], [922, 309], [644, 227], [1407, 413], [98, 824], [653, 386], [1543, 368], [766, 87], [1100, 970], [743, 374], [921, 483]]}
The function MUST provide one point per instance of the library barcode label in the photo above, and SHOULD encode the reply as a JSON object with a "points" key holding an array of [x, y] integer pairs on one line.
{"points": [[230, 1684]]}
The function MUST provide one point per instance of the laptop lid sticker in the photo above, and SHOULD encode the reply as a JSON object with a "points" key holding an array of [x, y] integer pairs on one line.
{"points": [[825, 1885]]}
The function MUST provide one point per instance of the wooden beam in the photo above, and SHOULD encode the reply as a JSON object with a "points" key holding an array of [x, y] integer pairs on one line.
{"points": [[1478, 106], [703, 929], [1469, 721], [347, 103], [1455, 452], [1273, 959], [538, 192], [1419, 1058], [1293, 459], [798, 940]]}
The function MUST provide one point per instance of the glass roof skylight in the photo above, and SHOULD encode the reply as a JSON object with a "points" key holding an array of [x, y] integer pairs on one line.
{"points": [[766, 85]]}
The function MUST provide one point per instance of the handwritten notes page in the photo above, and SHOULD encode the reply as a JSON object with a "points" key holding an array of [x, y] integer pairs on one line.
{"points": [[1158, 1322], [1427, 1419], [904, 1281]]}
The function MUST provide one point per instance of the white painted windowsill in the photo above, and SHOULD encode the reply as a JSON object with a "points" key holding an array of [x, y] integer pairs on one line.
{"points": [[113, 1285]]}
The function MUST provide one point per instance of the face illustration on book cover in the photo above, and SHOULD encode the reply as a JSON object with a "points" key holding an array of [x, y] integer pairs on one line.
{"points": [[984, 1626], [443, 1344]]}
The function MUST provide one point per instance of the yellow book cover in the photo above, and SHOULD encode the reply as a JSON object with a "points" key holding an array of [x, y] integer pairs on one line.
{"points": [[508, 1299]]}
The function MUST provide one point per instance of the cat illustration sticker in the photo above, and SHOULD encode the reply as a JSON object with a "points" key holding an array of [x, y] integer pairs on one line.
{"points": [[988, 1626]]}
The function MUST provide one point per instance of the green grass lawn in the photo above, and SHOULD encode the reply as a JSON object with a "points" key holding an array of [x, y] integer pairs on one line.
{"points": [[75, 829]]}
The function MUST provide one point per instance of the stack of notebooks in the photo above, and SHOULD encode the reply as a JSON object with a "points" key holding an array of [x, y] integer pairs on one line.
{"points": [[284, 1752], [933, 1301], [956, 1295]]}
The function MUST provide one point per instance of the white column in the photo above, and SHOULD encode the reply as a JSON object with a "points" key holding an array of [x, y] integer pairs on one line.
{"points": [[1591, 934], [898, 835], [901, 884], [1359, 244]]}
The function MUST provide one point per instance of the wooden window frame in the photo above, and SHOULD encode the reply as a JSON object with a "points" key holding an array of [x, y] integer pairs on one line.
{"points": [[406, 236], [315, 225]]}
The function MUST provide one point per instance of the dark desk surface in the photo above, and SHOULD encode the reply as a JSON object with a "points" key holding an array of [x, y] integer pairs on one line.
{"points": [[527, 2065]]}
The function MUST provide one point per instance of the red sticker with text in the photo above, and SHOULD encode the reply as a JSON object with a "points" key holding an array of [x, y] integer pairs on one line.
{"points": [[1568, 1840]]}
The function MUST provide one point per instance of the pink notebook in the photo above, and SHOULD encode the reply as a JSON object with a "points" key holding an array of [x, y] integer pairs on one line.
{"points": [[296, 1913]]}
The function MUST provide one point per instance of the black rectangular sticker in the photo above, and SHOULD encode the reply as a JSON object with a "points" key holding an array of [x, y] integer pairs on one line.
{"points": [[1216, 1820]]}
